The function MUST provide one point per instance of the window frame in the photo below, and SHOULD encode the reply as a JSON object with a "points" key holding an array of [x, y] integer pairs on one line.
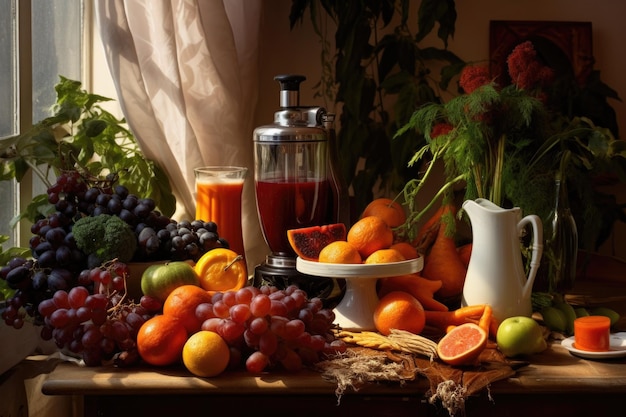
{"points": [[23, 191]]}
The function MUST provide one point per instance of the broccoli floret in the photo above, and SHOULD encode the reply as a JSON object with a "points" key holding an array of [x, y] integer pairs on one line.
{"points": [[105, 236]]}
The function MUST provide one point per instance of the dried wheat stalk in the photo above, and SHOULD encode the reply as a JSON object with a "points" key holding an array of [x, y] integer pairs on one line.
{"points": [[398, 340]]}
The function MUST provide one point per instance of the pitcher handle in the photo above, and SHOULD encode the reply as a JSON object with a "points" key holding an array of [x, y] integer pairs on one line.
{"points": [[537, 246]]}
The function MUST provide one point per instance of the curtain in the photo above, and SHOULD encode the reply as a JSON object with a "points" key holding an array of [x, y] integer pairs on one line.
{"points": [[185, 72]]}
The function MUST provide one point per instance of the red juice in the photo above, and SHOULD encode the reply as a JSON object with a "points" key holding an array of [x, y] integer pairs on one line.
{"points": [[287, 205]]}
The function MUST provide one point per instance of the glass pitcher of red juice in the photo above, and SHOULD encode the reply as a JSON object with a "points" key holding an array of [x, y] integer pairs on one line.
{"points": [[292, 175]]}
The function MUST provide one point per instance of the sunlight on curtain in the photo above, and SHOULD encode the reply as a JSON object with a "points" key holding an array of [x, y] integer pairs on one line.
{"points": [[186, 78]]}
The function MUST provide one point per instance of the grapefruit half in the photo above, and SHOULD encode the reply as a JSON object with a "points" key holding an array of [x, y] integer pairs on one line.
{"points": [[462, 345]]}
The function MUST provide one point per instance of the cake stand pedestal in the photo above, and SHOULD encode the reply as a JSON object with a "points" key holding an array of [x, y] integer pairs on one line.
{"points": [[355, 311]]}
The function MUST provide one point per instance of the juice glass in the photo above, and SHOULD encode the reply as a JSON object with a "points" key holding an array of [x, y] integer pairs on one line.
{"points": [[218, 199]]}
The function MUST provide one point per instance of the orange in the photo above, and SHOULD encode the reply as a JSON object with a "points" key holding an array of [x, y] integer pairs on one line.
{"points": [[181, 303], [389, 210], [340, 252], [160, 340], [370, 234], [383, 256], [462, 345], [406, 249], [221, 270], [206, 354], [399, 310]]}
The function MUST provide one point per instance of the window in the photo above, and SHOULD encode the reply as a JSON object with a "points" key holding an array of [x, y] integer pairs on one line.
{"points": [[39, 40]]}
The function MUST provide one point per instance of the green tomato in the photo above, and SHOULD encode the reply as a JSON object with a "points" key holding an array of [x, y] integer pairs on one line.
{"points": [[520, 335], [160, 280]]}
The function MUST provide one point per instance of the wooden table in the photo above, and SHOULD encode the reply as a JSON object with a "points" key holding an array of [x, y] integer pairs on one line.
{"points": [[554, 383]]}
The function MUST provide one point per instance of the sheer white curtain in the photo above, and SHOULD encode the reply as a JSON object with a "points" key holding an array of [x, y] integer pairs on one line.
{"points": [[186, 78]]}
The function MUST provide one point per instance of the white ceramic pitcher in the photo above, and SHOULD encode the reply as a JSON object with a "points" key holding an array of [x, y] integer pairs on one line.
{"points": [[495, 274]]}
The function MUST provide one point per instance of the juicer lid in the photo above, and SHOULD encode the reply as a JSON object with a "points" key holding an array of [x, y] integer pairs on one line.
{"points": [[292, 122]]}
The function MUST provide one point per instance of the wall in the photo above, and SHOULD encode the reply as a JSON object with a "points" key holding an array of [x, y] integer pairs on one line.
{"points": [[298, 51]]}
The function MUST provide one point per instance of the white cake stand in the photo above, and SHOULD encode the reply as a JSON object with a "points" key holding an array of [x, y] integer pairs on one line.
{"points": [[355, 311]]}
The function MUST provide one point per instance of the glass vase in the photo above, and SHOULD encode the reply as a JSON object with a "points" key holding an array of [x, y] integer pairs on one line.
{"points": [[561, 242]]}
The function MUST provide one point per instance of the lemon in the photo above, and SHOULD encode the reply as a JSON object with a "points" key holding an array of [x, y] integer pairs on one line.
{"points": [[206, 354]]}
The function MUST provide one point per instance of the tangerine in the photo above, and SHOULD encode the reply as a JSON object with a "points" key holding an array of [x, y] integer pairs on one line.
{"points": [[221, 270], [160, 340], [206, 354], [181, 303], [389, 210], [340, 252], [399, 310], [406, 249], [370, 234], [462, 345], [383, 256]]}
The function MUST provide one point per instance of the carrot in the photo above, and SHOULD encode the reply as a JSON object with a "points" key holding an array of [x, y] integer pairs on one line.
{"points": [[428, 232], [419, 287], [493, 327], [465, 251], [485, 319], [443, 319], [444, 263]]}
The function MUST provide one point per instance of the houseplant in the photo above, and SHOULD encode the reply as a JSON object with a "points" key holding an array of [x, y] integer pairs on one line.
{"points": [[101, 187], [508, 144], [377, 72], [80, 135]]}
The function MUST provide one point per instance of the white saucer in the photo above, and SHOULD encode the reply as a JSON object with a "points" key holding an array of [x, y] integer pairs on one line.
{"points": [[617, 348]]}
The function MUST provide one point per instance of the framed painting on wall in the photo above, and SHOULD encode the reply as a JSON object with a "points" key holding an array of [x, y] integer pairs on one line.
{"points": [[566, 47]]}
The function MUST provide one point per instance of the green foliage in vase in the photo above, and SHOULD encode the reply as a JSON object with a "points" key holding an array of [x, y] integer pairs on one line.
{"points": [[378, 75], [507, 144], [80, 135]]}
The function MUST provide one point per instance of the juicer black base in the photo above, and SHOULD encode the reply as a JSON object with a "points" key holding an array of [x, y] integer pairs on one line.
{"points": [[280, 271]]}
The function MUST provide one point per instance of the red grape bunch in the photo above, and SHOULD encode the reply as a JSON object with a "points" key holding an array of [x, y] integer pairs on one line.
{"points": [[57, 263], [100, 326], [267, 327]]}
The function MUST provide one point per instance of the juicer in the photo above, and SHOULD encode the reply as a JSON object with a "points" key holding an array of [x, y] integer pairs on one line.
{"points": [[296, 185]]}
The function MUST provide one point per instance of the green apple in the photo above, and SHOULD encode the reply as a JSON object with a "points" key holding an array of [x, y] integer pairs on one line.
{"points": [[519, 336], [159, 280]]}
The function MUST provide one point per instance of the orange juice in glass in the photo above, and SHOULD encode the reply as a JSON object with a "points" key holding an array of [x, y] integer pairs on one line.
{"points": [[218, 199]]}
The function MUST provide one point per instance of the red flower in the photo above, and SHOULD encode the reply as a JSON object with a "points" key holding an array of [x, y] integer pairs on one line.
{"points": [[473, 77], [440, 129], [525, 69]]}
